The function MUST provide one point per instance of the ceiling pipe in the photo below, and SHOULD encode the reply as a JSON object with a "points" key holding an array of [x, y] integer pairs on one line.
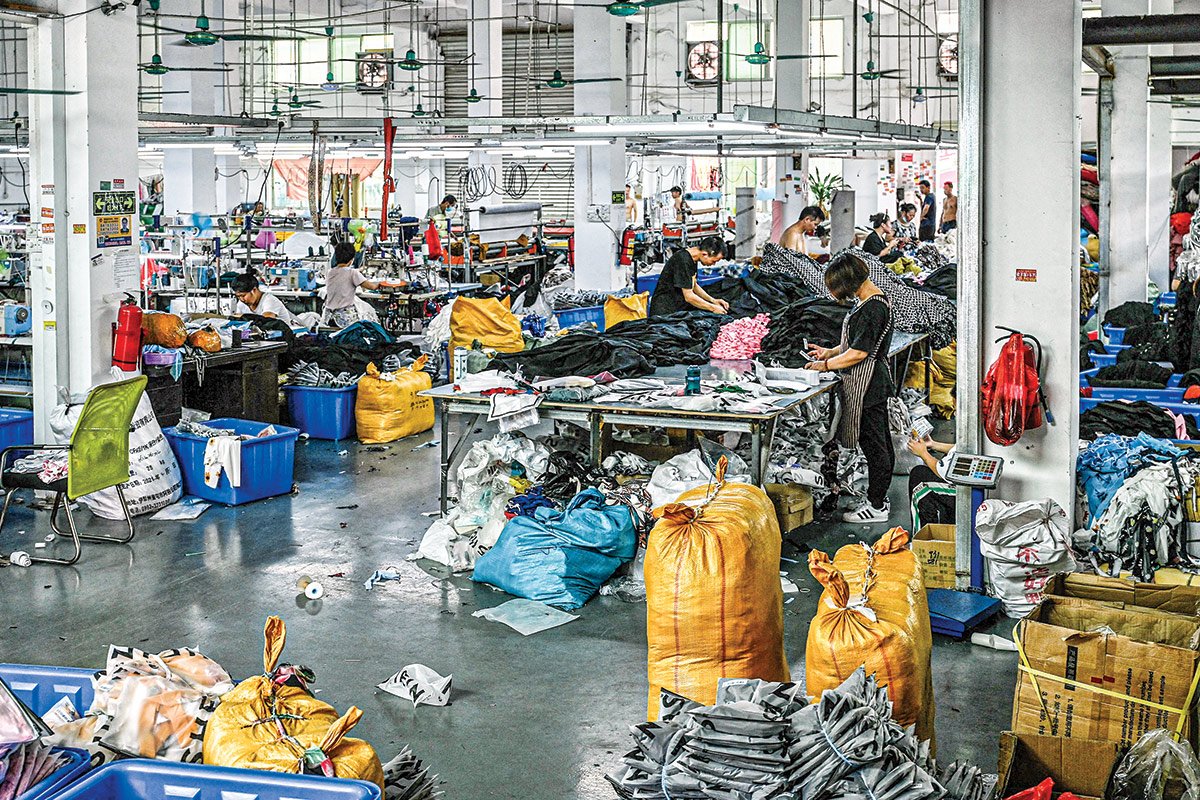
{"points": [[1174, 86], [1174, 66], [1145, 29]]}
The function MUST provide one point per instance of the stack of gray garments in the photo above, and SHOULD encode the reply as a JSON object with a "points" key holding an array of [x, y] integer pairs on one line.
{"points": [[913, 310], [312, 374], [761, 741]]}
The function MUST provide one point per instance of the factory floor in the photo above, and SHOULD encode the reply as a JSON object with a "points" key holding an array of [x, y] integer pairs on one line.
{"points": [[535, 718]]}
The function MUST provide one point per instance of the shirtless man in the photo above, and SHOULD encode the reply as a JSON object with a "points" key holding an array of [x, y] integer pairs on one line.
{"points": [[794, 237], [949, 219]]}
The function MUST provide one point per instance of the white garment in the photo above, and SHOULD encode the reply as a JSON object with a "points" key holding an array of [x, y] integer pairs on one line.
{"points": [[269, 304], [223, 453]]}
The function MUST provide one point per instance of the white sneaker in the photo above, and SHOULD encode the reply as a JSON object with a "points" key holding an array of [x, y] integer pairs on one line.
{"points": [[866, 514]]}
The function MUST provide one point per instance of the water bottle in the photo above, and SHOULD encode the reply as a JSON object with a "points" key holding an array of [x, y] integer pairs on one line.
{"points": [[692, 387]]}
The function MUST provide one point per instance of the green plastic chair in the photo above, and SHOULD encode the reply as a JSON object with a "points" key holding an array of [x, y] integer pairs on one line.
{"points": [[97, 458]]}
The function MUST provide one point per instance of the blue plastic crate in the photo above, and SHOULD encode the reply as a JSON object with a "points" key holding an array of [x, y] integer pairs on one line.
{"points": [[40, 688], [322, 412], [144, 779], [1169, 395], [1114, 334], [16, 427], [1104, 359], [573, 316], [647, 283], [1164, 301], [267, 462]]}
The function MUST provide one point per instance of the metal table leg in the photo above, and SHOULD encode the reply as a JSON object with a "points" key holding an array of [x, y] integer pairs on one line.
{"points": [[448, 460], [594, 449], [756, 453]]}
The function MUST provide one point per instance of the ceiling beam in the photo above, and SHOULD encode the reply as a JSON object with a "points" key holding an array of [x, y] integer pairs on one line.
{"points": [[1174, 66], [1098, 60], [1144, 29]]}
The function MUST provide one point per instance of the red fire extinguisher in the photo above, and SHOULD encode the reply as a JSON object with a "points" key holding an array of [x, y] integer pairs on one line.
{"points": [[127, 336]]}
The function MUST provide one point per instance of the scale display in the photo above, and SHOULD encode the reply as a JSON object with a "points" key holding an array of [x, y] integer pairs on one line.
{"points": [[969, 470]]}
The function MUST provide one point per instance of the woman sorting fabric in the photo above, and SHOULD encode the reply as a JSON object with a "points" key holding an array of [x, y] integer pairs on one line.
{"points": [[341, 287], [861, 361], [882, 241]]}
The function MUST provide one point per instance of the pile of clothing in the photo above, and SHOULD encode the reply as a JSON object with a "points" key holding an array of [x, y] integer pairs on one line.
{"points": [[579, 298], [1131, 418], [758, 292], [25, 760], [305, 374], [742, 338], [223, 450], [1138, 492], [913, 310], [630, 349], [763, 739], [1132, 374], [815, 321], [351, 349]]}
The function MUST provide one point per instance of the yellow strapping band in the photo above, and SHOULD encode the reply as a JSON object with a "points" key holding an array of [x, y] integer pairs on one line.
{"points": [[1034, 674]]}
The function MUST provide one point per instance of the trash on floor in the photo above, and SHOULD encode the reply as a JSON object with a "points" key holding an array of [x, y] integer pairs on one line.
{"points": [[420, 684], [310, 588], [185, 509], [526, 617], [379, 576]]}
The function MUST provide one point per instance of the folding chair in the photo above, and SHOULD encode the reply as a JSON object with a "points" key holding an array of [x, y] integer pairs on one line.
{"points": [[97, 458]]}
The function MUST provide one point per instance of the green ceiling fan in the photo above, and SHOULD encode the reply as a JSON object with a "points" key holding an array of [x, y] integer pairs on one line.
{"points": [[761, 56], [156, 66], [203, 36], [627, 8]]}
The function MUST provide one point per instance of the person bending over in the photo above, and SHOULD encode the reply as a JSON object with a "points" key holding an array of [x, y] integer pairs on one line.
{"points": [[251, 299], [861, 361], [677, 289]]}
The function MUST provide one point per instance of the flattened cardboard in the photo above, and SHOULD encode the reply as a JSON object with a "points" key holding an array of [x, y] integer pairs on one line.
{"points": [[1121, 592]]}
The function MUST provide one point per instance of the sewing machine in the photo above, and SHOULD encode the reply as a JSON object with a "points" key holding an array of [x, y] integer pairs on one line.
{"points": [[301, 279]]}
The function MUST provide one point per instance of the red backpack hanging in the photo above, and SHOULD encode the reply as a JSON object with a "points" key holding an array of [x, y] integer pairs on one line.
{"points": [[1012, 394]]}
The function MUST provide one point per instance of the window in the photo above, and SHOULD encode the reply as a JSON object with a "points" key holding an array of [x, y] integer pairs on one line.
{"points": [[740, 38], [827, 37], [313, 56]]}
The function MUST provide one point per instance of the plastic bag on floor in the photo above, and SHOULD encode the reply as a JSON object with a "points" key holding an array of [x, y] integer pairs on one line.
{"points": [[685, 472], [155, 481], [561, 557], [1157, 767], [1025, 545]]}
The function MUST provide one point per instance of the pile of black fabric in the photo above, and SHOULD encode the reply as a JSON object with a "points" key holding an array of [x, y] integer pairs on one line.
{"points": [[943, 281], [818, 321], [349, 350], [758, 293], [1129, 314], [628, 350], [1130, 419], [1185, 333], [1144, 333], [1160, 349], [1132, 375], [913, 310], [1088, 348]]}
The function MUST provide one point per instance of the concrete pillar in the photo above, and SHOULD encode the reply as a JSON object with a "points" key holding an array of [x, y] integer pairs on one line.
{"points": [[841, 219], [189, 174], [599, 41], [80, 144], [485, 39], [1158, 175], [232, 184], [1128, 237], [862, 175], [1020, 275]]}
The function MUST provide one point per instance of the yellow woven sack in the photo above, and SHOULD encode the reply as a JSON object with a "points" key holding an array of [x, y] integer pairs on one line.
{"points": [[270, 722], [874, 613], [165, 330], [714, 607], [489, 321], [389, 408], [622, 309], [942, 379]]}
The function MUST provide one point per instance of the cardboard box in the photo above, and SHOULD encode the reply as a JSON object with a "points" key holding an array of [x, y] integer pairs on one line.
{"points": [[793, 505], [1124, 593], [1081, 766], [1134, 654], [934, 546]]}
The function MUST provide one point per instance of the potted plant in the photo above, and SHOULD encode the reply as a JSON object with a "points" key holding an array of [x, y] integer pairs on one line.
{"points": [[822, 187]]}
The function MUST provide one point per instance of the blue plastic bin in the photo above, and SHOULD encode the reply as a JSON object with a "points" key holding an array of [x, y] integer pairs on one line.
{"points": [[267, 462], [144, 779], [322, 412], [647, 283], [1149, 395], [16, 427], [1114, 334], [1103, 359], [40, 688], [573, 316], [1164, 301]]}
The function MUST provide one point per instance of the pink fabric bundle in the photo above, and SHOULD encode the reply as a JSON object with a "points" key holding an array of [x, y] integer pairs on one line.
{"points": [[742, 338]]}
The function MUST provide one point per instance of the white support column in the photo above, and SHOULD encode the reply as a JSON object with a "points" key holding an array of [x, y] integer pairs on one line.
{"points": [[80, 144], [189, 174], [1128, 242], [599, 169], [485, 40], [1020, 276], [791, 92], [1158, 174]]}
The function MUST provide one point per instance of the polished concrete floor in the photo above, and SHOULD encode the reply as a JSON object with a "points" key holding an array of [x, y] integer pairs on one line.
{"points": [[536, 718]]}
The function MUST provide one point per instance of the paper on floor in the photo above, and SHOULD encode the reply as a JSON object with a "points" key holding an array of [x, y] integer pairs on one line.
{"points": [[187, 508], [420, 684], [526, 617], [788, 586]]}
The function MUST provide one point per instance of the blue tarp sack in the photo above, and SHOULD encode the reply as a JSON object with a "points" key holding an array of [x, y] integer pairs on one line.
{"points": [[561, 558]]}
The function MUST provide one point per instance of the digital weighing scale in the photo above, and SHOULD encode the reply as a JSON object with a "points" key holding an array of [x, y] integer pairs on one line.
{"points": [[954, 613]]}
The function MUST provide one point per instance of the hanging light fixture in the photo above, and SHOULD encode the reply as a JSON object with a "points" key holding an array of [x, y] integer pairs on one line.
{"points": [[419, 111], [473, 97], [330, 85], [557, 81], [410, 61], [156, 66], [760, 56], [623, 9], [202, 36], [919, 97], [275, 112], [295, 101]]}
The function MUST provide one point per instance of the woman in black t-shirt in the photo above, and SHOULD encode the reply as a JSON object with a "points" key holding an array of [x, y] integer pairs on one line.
{"points": [[677, 289], [877, 243], [861, 362]]}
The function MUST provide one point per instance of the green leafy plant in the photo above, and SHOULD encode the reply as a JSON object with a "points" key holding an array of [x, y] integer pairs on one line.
{"points": [[822, 187]]}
